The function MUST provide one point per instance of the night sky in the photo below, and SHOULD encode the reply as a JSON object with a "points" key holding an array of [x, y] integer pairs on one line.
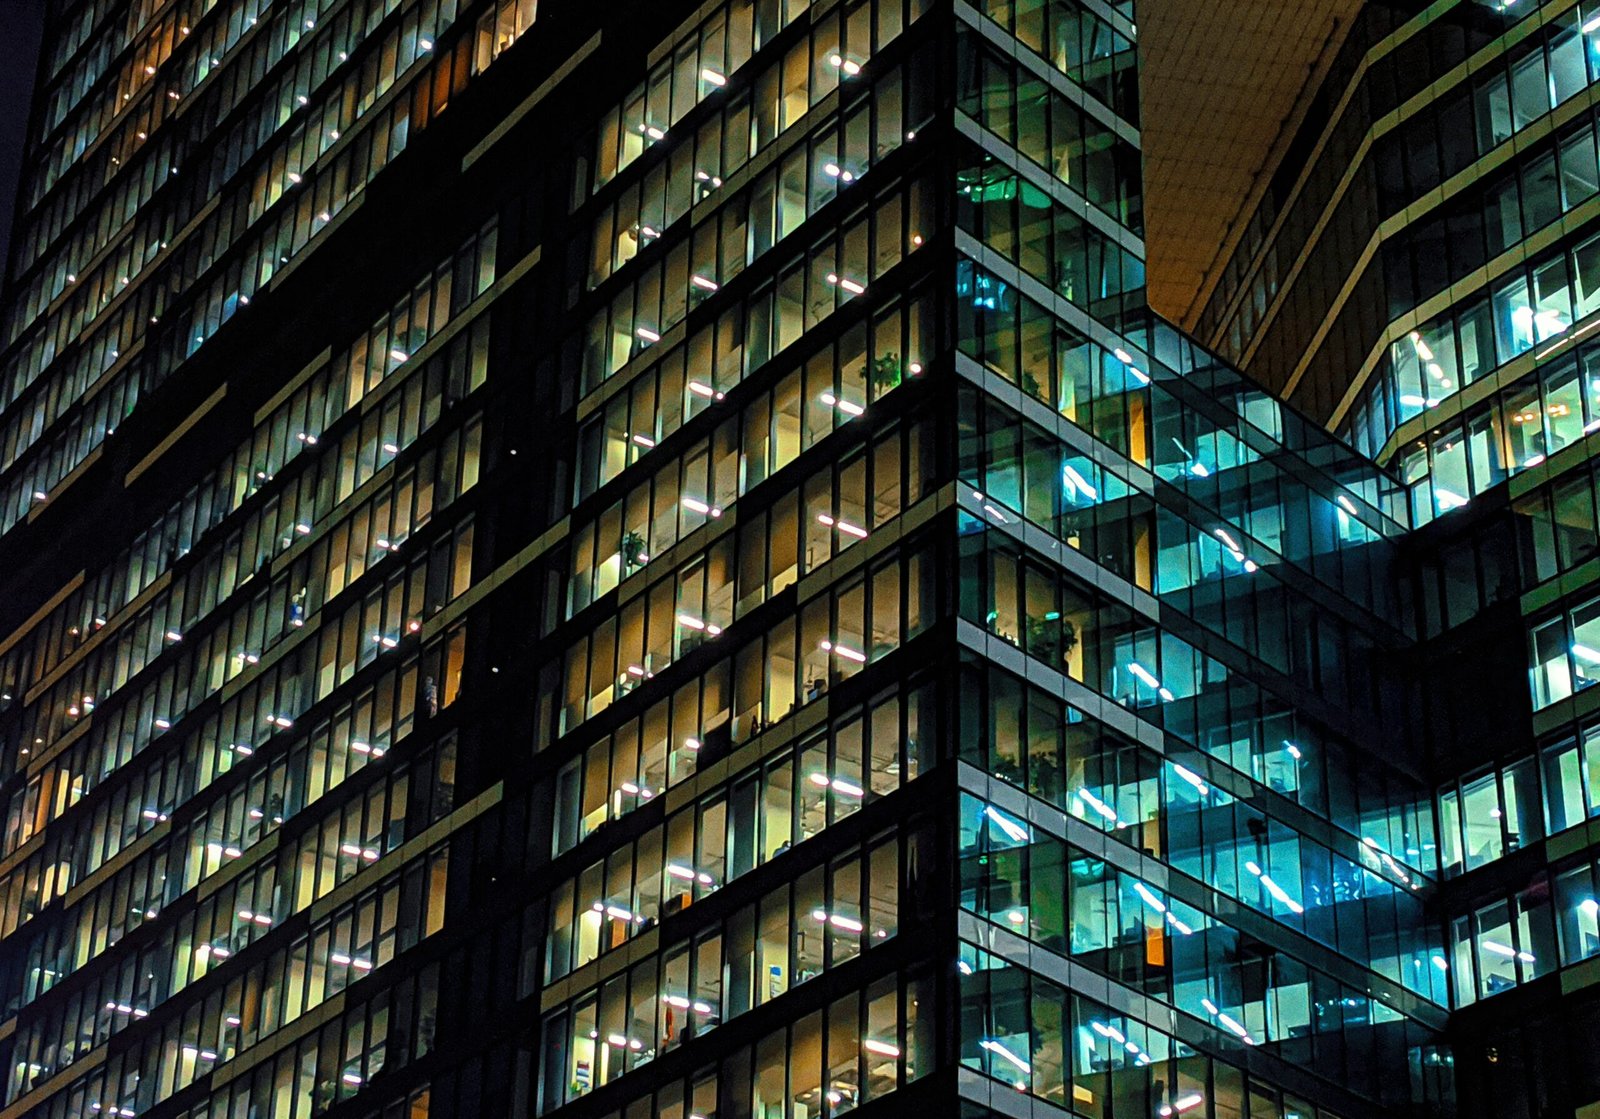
{"points": [[21, 21]]}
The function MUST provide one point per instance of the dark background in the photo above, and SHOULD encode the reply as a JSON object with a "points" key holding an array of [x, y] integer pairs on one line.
{"points": [[21, 22]]}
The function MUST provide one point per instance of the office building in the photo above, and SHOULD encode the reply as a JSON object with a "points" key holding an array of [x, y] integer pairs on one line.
{"points": [[1418, 276], [651, 560]]}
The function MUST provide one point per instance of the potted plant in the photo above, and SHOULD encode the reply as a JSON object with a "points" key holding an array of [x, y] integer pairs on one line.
{"points": [[1044, 636], [634, 554], [1051, 638], [885, 372]]}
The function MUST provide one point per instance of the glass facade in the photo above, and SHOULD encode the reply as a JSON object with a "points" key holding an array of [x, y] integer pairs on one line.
{"points": [[1425, 287], [651, 561]]}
